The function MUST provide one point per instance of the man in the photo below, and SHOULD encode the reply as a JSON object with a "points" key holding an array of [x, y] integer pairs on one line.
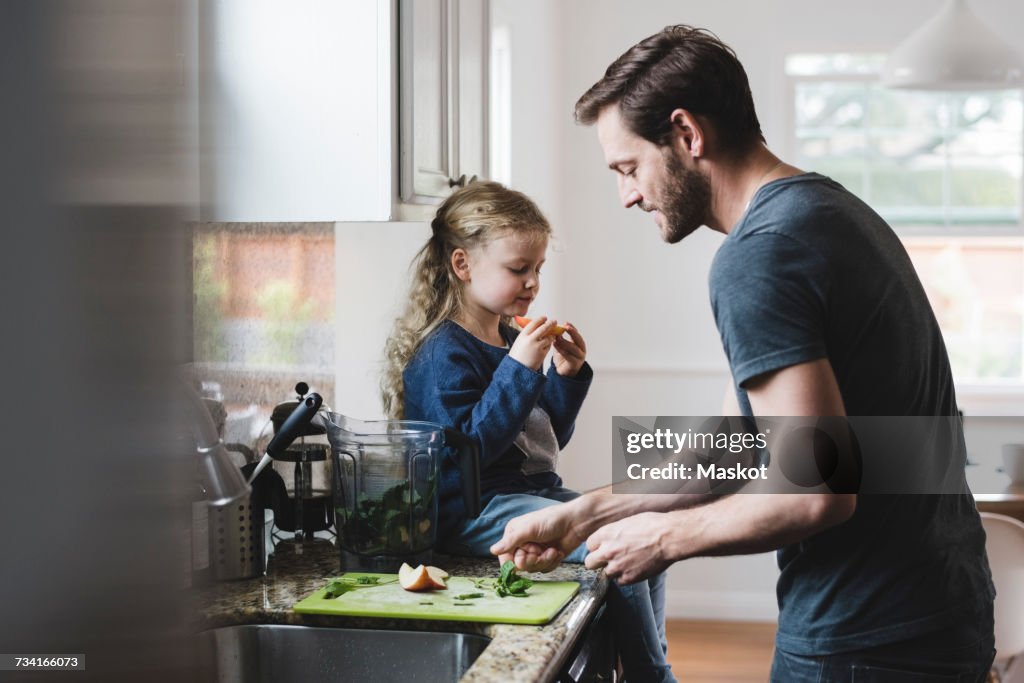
{"points": [[820, 314]]}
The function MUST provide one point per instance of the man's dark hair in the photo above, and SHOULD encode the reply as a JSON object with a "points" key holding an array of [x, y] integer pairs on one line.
{"points": [[679, 67]]}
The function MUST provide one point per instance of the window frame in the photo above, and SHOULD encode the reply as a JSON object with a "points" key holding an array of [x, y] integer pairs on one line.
{"points": [[974, 398]]}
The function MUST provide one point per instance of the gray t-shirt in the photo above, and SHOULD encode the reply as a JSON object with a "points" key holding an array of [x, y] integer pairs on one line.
{"points": [[539, 443], [812, 272]]}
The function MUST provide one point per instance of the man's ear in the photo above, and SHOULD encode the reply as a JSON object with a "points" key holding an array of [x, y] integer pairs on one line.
{"points": [[688, 133], [460, 264]]}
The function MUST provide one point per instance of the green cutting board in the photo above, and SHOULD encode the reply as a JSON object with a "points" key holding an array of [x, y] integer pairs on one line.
{"points": [[544, 600]]}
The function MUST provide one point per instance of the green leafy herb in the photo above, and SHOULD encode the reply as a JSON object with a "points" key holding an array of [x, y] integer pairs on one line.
{"points": [[426, 603], [338, 587], [368, 580], [510, 583], [469, 596], [507, 584]]}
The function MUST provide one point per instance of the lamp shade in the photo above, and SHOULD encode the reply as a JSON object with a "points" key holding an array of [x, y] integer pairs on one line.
{"points": [[954, 50]]}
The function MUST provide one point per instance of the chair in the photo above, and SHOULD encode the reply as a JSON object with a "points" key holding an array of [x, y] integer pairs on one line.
{"points": [[1005, 547]]}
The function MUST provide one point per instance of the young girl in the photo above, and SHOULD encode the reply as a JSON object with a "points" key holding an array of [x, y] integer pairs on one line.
{"points": [[454, 359]]}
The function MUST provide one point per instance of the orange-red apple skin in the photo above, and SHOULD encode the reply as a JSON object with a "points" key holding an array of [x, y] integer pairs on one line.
{"points": [[557, 330]]}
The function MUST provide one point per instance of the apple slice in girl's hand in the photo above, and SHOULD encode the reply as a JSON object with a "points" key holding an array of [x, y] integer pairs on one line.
{"points": [[557, 330]]}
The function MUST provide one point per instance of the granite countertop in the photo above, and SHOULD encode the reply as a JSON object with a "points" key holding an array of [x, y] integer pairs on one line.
{"points": [[515, 653]]}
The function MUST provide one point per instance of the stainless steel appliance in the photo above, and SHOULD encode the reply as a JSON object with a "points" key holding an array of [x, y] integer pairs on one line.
{"points": [[236, 545]]}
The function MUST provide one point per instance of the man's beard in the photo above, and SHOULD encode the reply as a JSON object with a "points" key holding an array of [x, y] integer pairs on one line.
{"points": [[685, 199]]}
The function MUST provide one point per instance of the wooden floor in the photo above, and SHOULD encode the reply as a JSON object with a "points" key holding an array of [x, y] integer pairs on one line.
{"points": [[718, 651]]}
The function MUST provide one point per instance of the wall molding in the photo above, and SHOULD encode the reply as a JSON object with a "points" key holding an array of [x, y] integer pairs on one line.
{"points": [[639, 369], [721, 605], [991, 400]]}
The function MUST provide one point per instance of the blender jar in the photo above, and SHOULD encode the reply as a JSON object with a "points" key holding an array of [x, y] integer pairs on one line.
{"points": [[386, 488]]}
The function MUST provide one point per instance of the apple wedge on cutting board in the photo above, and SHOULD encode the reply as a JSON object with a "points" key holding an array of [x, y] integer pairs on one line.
{"points": [[421, 578]]}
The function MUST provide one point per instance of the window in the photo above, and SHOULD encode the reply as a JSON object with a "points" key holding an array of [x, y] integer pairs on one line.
{"points": [[976, 289], [263, 317], [500, 106], [945, 170]]}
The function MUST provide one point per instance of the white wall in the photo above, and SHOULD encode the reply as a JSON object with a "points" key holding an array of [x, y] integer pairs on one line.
{"points": [[642, 305], [535, 28], [371, 263]]}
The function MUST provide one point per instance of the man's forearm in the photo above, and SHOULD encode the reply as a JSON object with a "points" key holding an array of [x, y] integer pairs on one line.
{"points": [[600, 506], [753, 523]]}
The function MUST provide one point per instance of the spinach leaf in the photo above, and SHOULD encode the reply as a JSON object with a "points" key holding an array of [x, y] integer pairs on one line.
{"points": [[338, 587], [510, 583]]}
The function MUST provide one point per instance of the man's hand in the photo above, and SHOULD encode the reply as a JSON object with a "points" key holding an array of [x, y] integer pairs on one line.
{"points": [[631, 549], [569, 355], [540, 540], [534, 557], [533, 343]]}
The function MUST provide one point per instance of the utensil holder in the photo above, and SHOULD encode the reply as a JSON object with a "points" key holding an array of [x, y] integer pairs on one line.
{"points": [[237, 544]]}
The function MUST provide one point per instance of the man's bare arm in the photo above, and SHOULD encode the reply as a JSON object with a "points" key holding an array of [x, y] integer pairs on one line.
{"points": [[633, 549]]}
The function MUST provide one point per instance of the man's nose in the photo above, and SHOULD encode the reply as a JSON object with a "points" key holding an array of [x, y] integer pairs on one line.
{"points": [[628, 194]]}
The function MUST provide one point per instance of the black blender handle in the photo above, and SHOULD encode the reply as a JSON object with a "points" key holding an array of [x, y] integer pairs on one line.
{"points": [[299, 418], [469, 468]]}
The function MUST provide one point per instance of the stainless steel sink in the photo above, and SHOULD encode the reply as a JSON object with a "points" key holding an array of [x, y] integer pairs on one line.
{"points": [[310, 654]]}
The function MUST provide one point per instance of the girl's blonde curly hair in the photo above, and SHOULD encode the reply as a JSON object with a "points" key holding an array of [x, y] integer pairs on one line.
{"points": [[469, 218]]}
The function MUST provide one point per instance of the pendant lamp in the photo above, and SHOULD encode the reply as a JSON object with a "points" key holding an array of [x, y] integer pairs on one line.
{"points": [[954, 50]]}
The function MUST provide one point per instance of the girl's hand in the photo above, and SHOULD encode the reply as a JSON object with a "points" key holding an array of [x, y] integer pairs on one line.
{"points": [[533, 343], [569, 354]]}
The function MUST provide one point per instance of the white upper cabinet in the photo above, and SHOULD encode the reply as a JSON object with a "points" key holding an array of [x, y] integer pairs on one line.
{"points": [[442, 97], [296, 110], [303, 106]]}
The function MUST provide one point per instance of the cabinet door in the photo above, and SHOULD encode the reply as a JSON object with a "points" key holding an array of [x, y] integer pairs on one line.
{"points": [[443, 96], [474, 29], [426, 99], [295, 110]]}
